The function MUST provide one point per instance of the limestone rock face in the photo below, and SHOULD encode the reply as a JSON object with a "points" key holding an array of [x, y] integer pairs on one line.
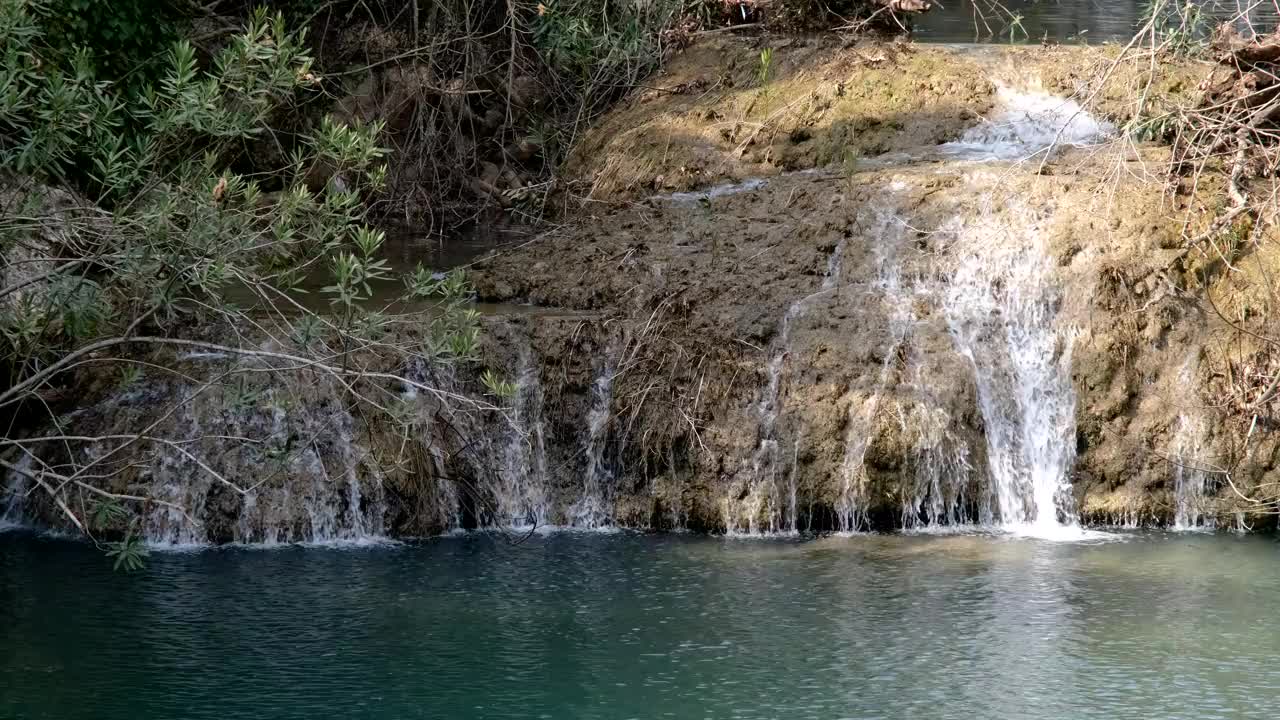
{"points": [[946, 335]]}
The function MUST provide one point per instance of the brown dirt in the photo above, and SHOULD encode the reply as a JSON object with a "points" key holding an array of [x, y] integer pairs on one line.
{"points": [[1115, 83], [717, 276], [707, 118]]}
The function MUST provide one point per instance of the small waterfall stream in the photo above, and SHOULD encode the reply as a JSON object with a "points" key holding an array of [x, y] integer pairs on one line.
{"points": [[942, 469], [305, 475], [1190, 478], [1002, 309], [521, 493], [1189, 456], [13, 499], [592, 509], [763, 495], [888, 233], [1028, 124]]}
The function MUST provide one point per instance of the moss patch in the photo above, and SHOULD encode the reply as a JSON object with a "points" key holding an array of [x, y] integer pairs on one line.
{"points": [[709, 117]]}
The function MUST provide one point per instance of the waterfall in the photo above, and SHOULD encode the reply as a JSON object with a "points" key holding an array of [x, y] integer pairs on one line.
{"points": [[742, 514], [1241, 525], [592, 510], [942, 470], [1002, 310], [175, 479], [1188, 454], [887, 233], [521, 495], [14, 498], [1028, 123], [792, 489], [1190, 480], [305, 476]]}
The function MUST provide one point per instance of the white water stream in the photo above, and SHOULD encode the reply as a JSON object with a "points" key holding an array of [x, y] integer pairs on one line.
{"points": [[521, 493], [591, 511], [764, 497], [1002, 308], [1001, 301], [888, 233], [1028, 124]]}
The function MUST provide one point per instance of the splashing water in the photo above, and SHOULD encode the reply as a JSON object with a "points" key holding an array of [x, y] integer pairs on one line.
{"points": [[1002, 311], [1028, 124], [591, 511], [742, 516], [851, 500], [521, 491]]}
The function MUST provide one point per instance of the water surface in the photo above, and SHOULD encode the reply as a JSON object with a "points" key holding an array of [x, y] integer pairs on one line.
{"points": [[1075, 21], [628, 626]]}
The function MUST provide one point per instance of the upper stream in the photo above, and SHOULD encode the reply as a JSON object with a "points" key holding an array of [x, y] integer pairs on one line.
{"points": [[1074, 21], [613, 626]]}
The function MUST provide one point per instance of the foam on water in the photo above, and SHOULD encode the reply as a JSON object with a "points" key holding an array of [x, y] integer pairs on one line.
{"points": [[1024, 531], [689, 198], [1055, 532], [1028, 123]]}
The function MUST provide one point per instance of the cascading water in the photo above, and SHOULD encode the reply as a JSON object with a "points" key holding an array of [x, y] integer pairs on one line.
{"points": [[742, 515], [942, 470], [591, 511], [997, 306], [887, 233], [1028, 123], [1188, 453], [304, 476], [1002, 309], [521, 493], [15, 494], [1190, 480]]}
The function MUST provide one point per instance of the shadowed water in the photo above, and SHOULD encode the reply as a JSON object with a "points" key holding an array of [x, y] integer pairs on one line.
{"points": [[626, 626], [1079, 21]]}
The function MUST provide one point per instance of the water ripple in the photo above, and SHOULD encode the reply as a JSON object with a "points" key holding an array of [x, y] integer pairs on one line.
{"points": [[630, 626]]}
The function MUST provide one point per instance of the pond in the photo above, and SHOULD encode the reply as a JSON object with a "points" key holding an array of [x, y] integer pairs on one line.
{"points": [[1075, 21], [615, 626]]}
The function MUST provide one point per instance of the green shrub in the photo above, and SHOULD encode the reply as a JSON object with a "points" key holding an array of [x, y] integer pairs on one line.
{"points": [[170, 232], [126, 40]]}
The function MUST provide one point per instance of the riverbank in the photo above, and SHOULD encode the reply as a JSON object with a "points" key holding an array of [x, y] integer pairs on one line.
{"points": [[883, 287]]}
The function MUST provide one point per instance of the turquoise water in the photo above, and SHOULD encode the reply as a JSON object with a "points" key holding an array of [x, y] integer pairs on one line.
{"points": [[629, 626]]}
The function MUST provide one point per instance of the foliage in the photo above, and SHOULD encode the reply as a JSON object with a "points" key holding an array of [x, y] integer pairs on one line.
{"points": [[597, 51], [496, 385], [172, 231], [123, 39], [106, 513], [1179, 28], [130, 553], [765, 70]]}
